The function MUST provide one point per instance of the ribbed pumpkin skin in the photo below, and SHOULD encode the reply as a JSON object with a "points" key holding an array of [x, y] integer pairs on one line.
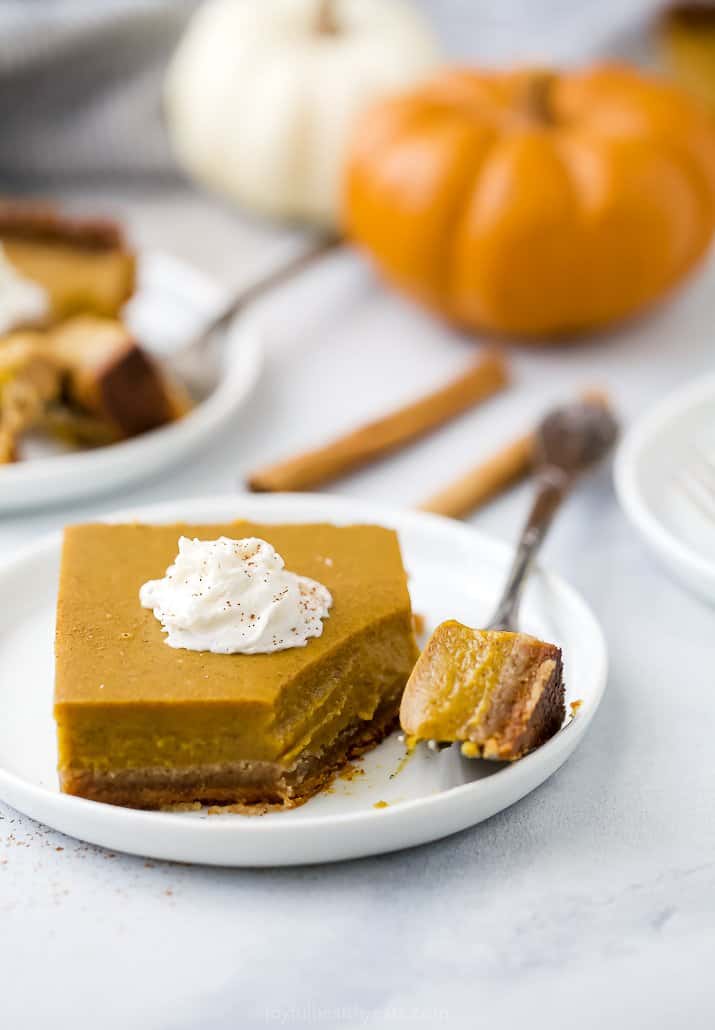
{"points": [[534, 204]]}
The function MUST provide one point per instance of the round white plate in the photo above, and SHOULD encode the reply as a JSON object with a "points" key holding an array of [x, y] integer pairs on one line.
{"points": [[173, 300], [654, 471], [455, 571]]}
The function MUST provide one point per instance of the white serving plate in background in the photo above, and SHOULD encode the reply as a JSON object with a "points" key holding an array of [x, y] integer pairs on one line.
{"points": [[173, 300], [648, 465], [454, 571]]}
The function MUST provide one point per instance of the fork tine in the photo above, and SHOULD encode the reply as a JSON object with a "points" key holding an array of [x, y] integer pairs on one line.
{"points": [[698, 484]]}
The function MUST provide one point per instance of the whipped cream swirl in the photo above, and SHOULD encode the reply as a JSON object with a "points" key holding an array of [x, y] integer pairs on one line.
{"points": [[235, 597], [22, 301]]}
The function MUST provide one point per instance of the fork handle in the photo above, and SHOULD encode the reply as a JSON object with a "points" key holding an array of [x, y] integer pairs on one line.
{"points": [[245, 295], [553, 484]]}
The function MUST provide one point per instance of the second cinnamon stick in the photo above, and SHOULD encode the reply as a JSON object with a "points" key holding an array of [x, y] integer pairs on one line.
{"points": [[387, 434], [480, 484], [491, 477]]}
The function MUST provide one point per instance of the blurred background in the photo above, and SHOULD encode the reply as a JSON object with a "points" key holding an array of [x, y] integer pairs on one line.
{"points": [[82, 81], [218, 132]]}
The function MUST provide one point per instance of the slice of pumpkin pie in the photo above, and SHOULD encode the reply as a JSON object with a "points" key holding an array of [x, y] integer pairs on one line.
{"points": [[229, 681], [499, 694], [83, 264]]}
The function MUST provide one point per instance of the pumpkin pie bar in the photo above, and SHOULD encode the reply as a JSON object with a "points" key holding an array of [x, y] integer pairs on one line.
{"points": [[86, 382], [110, 376], [497, 693], [83, 264], [146, 725], [30, 380]]}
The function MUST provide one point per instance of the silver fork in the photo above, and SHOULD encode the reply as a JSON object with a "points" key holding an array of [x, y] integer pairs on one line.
{"points": [[570, 440], [697, 482], [197, 363]]}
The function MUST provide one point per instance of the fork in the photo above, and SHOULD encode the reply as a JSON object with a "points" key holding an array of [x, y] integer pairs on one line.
{"points": [[197, 362], [570, 440]]}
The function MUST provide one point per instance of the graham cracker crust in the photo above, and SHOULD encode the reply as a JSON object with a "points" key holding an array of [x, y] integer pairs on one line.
{"points": [[245, 787], [36, 220], [524, 721]]}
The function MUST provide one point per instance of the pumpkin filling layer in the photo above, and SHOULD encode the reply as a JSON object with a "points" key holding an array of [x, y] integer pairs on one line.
{"points": [[140, 723], [83, 264], [500, 694]]}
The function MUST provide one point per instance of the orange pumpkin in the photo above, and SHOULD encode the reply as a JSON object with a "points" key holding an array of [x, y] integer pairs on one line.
{"points": [[531, 203]]}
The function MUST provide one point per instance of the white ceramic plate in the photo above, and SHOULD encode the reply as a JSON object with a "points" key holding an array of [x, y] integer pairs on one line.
{"points": [[648, 473], [173, 300], [454, 570]]}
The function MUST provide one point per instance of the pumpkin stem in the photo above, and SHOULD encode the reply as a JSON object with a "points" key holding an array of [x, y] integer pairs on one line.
{"points": [[537, 97], [326, 21]]}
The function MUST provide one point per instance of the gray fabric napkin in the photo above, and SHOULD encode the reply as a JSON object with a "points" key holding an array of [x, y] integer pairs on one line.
{"points": [[80, 87]]}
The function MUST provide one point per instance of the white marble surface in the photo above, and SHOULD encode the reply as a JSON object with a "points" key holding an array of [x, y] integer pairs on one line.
{"points": [[591, 903]]}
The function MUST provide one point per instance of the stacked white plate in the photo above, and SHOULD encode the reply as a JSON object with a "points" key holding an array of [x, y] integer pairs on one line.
{"points": [[665, 478]]}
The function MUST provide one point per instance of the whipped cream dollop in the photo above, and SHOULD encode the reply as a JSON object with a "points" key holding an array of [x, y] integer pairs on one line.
{"points": [[22, 301], [235, 597]]}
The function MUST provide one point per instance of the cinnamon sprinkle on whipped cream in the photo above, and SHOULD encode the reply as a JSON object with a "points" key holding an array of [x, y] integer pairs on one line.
{"points": [[235, 597]]}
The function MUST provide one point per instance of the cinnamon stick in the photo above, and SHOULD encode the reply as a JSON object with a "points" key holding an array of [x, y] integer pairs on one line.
{"points": [[510, 464], [480, 484], [387, 434]]}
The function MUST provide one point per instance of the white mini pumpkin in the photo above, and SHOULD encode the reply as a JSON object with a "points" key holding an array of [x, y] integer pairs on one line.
{"points": [[261, 94]]}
